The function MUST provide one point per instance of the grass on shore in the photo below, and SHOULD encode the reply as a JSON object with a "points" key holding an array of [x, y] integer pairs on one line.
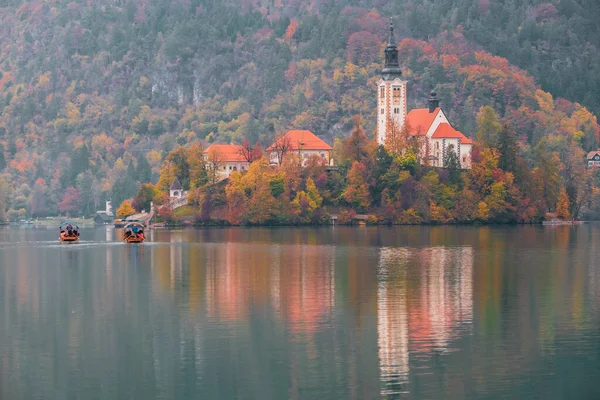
{"points": [[186, 211]]}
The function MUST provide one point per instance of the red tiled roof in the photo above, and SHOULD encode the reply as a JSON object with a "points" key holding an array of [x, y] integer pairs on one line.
{"points": [[227, 152], [591, 154], [303, 140], [446, 131], [465, 140], [420, 120]]}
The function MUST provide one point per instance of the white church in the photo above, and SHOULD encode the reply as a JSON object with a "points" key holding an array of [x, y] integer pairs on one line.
{"points": [[438, 137]]}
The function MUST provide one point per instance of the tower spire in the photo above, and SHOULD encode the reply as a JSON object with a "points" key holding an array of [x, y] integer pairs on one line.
{"points": [[391, 40], [391, 69]]}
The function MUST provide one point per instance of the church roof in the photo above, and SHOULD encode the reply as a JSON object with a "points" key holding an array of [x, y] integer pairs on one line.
{"points": [[446, 131], [176, 185], [227, 152], [302, 140], [420, 120]]}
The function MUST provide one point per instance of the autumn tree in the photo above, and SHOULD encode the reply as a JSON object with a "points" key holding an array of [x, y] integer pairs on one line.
{"points": [[282, 145], [125, 209], [197, 165], [587, 193], [397, 140], [250, 152], [307, 202], [5, 196], [562, 207], [547, 180], [357, 191], [355, 146], [167, 176], [144, 197], [70, 204], [214, 163]]}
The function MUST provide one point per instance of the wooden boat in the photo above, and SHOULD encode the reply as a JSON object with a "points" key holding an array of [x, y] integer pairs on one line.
{"points": [[134, 233], [69, 232]]}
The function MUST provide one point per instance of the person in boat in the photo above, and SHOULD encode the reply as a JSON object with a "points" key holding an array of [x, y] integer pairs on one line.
{"points": [[70, 230]]}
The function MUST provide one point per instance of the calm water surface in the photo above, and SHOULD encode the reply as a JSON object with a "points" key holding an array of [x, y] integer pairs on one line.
{"points": [[330, 313]]}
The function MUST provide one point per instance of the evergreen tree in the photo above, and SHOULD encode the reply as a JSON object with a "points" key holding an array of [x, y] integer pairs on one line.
{"points": [[452, 164], [508, 147], [2, 159], [80, 162], [143, 171]]}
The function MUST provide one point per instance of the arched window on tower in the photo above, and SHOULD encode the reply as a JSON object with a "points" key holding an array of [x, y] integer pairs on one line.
{"points": [[397, 95], [382, 94]]}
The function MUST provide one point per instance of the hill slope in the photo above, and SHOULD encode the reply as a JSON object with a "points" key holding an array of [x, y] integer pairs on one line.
{"points": [[94, 93]]}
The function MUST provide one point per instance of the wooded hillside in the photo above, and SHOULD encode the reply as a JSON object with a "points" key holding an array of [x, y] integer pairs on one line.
{"points": [[94, 94]]}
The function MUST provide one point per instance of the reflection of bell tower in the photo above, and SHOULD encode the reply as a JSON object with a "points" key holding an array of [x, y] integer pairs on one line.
{"points": [[391, 92]]}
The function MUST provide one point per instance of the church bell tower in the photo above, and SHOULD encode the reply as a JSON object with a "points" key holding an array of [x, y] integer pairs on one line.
{"points": [[391, 92]]}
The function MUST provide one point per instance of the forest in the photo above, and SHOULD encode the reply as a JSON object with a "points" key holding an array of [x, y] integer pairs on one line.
{"points": [[96, 97]]}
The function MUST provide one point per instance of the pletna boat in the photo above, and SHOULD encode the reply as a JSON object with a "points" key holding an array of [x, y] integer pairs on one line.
{"points": [[69, 232], [134, 233]]}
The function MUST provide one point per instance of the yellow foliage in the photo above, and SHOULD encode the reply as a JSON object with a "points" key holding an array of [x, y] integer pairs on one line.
{"points": [[125, 209], [562, 206], [483, 211]]}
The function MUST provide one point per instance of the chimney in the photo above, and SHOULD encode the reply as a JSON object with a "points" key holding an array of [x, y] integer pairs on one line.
{"points": [[433, 101]]}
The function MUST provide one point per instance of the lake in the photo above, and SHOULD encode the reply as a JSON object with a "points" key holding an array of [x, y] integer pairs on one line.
{"points": [[302, 313]]}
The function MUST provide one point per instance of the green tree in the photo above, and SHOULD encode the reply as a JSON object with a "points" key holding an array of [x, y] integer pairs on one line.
{"points": [[452, 164], [488, 127], [143, 170], [509, 149]]}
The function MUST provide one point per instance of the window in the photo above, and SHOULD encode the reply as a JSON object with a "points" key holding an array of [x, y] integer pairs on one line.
{"points": [[464, 159], [397, 95], [382, 111], [224, 168], [437, 145], [382, 93], [396, 111]]}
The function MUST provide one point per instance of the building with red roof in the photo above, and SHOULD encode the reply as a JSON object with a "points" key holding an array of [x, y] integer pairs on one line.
{"points": [[429, 125], [225, 159], [301, 142], [593, 158]]}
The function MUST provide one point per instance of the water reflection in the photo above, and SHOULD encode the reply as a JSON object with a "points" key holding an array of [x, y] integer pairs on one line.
{"points": [[306, 313]]}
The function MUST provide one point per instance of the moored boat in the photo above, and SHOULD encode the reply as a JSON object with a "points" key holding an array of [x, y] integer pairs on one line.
{"points": [[69, 232], [134, 233]]}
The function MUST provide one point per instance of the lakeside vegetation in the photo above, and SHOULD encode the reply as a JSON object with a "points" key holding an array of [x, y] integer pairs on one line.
{"points": [[389, 184]]}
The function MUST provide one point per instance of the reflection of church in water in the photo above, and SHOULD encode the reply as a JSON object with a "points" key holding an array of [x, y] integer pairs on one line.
{"points": [[425, 317]]}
